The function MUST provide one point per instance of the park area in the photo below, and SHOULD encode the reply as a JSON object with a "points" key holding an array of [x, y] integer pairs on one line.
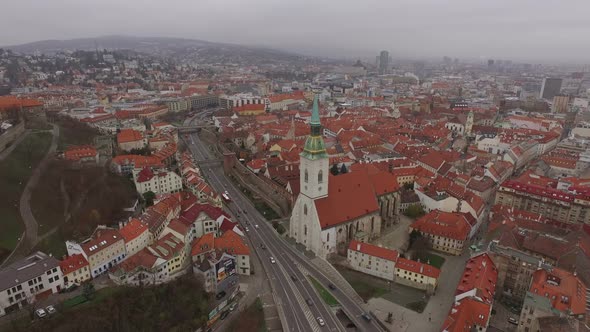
{"points": [[369, 287], [16, 169]]}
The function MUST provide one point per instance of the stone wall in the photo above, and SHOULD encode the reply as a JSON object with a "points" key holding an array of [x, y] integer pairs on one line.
{"points": [[10, 135]]}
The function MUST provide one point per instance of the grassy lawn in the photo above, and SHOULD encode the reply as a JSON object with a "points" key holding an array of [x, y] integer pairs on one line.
{"points": [[265, 210], [250, 320], [328, 298], [362, 284], [16, 170], [430, 258]]}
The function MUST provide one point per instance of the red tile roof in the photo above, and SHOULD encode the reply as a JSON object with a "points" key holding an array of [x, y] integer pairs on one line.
{"points": [[373, 250], [73, 263], [129, 135], [480, 274], [562, 288], [102, 238], [132, 230], [451, 225], [350, 196], [75, 153], [203, 244], [230, 242], [11, 102], [417, 267], [465, 314], [145, 175]]}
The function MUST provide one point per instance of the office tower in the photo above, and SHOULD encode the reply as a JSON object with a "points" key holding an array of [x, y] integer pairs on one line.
{"points": [[550, 88], [383, 62]]}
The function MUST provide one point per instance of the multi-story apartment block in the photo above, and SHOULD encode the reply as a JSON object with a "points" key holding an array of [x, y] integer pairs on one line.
{"points": [[157, 181], [103, 250], [22, 281]]}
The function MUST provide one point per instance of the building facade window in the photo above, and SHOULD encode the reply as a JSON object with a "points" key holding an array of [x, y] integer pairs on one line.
{"points": [[320, 176], [306, 177]]}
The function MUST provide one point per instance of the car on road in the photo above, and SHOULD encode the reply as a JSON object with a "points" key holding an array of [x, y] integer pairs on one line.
{"points": [[513, 320], [262, 246], [309, 302], [331, 286], [321, 321], [220, 295], [366, 316], [41, 313], [256, 225], [293, 277], [224, 314], [247, 229], [50, 309], [272, 260], [233, 306]]}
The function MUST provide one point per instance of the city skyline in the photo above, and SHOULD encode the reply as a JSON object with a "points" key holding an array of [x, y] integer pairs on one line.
{"points": [[496, 30]]}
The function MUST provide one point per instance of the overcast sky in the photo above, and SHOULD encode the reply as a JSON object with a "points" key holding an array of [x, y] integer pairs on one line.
{"points": [[534, 30]]}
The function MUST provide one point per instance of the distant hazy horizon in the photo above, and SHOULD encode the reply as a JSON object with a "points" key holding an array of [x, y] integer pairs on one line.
{"points": [[523, 31]]}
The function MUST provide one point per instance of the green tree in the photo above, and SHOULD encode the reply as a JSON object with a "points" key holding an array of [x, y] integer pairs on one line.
{"points": [[88, 291], [149, 197], [414, 211], [334, 170]]}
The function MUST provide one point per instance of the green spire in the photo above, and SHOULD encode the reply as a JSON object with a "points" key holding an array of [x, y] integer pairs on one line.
{"points": [[314, 145]]}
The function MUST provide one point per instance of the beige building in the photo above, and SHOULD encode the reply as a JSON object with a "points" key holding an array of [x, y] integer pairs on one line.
{"points": [[136, 236], [415, 274], [103, 250], [75, 270], [446, 231], [560, 104], [370, 259]]}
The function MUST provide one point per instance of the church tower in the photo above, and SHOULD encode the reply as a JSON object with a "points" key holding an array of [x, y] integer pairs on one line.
{"points": [[469, 124], [314, 161]]}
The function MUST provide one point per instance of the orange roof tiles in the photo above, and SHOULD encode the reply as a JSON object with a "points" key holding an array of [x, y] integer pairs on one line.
{"points": [[373, 250], [480, 274], [73, 263], [562, 288], [450, 225], [10, 102], [350, 196], [132, 230], [467, 313], [75, 153], [129, 135]]}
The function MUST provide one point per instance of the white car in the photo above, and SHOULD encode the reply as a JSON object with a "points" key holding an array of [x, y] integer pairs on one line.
{"points": [[321, 321], [247, 229], [50, 309], [272, 260], [40, 313], [256, 225]]}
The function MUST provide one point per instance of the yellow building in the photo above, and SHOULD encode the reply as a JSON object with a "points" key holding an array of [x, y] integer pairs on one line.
{"points": [[416, 274]]}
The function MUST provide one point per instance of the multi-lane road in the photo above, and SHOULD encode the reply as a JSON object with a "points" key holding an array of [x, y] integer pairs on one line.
{"points": [[296, 295]]}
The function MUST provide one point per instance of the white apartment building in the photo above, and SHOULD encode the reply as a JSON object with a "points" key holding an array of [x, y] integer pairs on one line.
{"points": [[22, 281], [156, 181], [371, 259], [105, 249]]}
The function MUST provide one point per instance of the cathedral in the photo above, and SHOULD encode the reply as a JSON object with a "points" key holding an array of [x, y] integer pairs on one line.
{"points": [[330, 211]]}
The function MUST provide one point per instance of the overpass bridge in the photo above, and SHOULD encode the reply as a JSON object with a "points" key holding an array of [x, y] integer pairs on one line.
{"points": [[193, 128]]}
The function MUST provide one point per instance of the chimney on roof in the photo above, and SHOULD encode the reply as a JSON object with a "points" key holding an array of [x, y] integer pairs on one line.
{"points": [[358, 247], [421, 269]]}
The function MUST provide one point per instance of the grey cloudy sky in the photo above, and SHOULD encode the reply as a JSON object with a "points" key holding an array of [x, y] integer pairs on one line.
{"points": [[508, 29]]}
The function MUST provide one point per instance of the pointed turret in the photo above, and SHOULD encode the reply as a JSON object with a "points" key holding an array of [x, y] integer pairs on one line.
{"points": [[314, 145]]}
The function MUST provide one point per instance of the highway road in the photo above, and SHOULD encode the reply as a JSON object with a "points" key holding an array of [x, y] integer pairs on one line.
{"points": [[288, 274]]}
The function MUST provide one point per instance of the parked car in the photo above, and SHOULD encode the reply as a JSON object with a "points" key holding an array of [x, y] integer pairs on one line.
{"points": [[40, 313], [366, 316], [331, 286], [220, 295], [513, 320], [50, 310], [232, 307], [321, 321], [224, 314]]}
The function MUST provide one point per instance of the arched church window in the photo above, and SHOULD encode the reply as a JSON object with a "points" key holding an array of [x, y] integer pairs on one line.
{"points": [[320, 176], [306, 177]]}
